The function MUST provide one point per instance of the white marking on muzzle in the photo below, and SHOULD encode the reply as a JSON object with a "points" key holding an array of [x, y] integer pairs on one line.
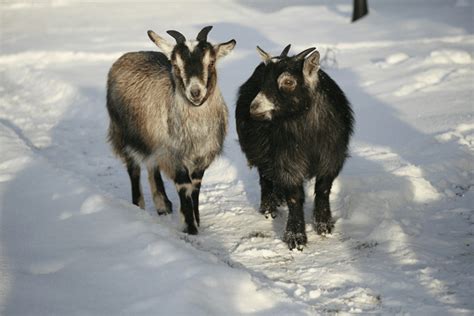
{"points": [[261, 106], [195, 84]]}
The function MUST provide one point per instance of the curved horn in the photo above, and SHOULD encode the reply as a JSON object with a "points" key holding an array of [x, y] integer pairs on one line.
{"points": [[202, 35], [304, 53], [285, 51], [177, 36]]}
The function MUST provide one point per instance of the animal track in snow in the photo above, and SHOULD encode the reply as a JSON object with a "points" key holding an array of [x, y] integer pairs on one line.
{"points": [[449, 56], [463, 134], [392, 59], [431, 77], [423, 80]]}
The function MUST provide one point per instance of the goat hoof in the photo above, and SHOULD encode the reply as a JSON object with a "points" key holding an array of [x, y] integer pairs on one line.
{"points": [[269, 213], [191, 230], [295, 240], [323, 228], [165, 211], [168, 209]]}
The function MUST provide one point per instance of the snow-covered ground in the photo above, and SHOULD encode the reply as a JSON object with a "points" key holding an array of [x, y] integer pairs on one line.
{"points": [[72, 243]]}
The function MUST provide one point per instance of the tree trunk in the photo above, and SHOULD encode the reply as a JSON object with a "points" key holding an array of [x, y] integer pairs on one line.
{"points": [[361, 8]]}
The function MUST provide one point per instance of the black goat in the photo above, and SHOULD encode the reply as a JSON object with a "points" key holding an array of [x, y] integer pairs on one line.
{"points": [[294, 123]]}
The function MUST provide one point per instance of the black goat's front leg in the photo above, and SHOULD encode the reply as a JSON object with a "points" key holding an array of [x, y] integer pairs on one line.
{"points": [[295, 234], [268, 203], [322, 210], [196, 178], [184, 187], [133, 170]]}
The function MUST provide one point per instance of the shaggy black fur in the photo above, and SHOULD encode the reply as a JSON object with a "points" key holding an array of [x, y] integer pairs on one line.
{"points": [[307, 136]]}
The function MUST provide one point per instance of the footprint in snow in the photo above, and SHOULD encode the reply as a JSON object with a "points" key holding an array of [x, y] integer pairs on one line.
{"points": [[391, 60], [435, 76], [424, 80], [463, 134], [449, 56]]}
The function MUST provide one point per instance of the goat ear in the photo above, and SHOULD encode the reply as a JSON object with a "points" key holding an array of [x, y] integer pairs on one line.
{"points": [[311, 65], [264, 55], [223, 49], [162, 44]]}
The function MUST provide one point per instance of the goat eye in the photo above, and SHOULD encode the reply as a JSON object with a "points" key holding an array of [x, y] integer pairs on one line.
{"points": [[288, 85]]}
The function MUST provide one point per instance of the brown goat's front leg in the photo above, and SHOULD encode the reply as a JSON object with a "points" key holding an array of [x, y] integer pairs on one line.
{"points": [[196, 178], [295, 234], [184, 187]]}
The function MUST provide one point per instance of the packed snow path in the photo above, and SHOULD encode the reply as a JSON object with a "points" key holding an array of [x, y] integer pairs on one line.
{"points": [[72, 243]]}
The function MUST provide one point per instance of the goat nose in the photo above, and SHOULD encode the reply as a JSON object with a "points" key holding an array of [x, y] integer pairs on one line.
{"points": [[195, 92]]}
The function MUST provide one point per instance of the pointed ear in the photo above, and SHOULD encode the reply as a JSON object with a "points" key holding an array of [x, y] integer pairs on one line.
{"points": [[311, 66], [223, 49], [264, 55], [162, 44]]}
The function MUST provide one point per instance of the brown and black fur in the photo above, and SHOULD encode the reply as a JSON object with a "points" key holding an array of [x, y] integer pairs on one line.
{"points": [[158, 119]]}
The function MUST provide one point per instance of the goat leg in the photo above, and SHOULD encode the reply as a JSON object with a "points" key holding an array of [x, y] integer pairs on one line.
{"points": [[268, 203], [295, 234], [185, 188], [322, 211], [196, 177]]}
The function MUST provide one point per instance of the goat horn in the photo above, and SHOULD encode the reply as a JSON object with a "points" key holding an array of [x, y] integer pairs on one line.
{"points": [[285, 51], [177, 36], [202, 35], [304, 53]]}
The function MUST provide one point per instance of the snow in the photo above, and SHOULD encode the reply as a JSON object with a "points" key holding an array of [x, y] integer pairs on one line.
{"points": [[72, 243]]}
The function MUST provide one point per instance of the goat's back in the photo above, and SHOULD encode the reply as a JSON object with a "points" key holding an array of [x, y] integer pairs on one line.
{"points": [[139, 92]]}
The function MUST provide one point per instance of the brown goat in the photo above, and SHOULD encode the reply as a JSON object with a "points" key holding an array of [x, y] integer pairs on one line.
{"points": [[167, 112]]}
